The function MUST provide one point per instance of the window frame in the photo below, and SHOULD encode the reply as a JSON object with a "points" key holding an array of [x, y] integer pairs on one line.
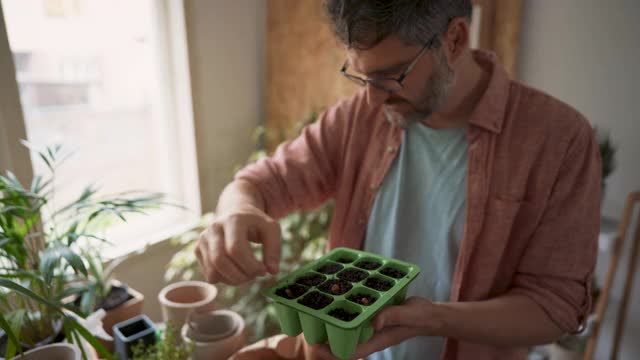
{"points": [[176, 113]]}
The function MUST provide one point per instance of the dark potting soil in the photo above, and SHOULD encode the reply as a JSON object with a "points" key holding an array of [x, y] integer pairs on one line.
{"points": [[311, 279], [291, 292], [335, 286], [118, 295], [394, 273], [343, 314], [368, 264], [316, 300], [330, 268], [353, 275], [362, 299], [378, 284], [345, 260]]}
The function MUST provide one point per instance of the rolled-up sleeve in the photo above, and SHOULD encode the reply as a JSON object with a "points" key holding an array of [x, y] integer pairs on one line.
{"points": [[302, 173], [557, 265]]}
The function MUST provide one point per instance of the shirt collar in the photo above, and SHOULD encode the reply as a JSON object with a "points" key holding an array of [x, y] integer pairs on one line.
{"points": [[489, 112]]}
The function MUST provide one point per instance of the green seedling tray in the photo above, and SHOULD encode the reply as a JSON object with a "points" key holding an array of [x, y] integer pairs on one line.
{"points": [[316, 324]]}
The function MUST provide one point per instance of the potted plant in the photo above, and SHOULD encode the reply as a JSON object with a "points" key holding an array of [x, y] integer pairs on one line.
{"points": [[168, 347], [303, 240], [137, 330], [43, 257], [101, 291]]}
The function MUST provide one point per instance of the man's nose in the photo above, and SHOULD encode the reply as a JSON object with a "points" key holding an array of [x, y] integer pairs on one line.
{"points": [[376, 96]]}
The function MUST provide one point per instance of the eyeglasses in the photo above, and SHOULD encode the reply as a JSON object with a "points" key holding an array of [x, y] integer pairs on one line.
{"points": [[390, 84]]}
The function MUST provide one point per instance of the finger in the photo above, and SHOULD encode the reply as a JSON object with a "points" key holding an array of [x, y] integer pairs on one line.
{"points": [[224, 270], [398, 315], [204, 268], [223, 279], [383, 339], [239, 250], [220, 261], [270, 239], [203, 250], [321, 352]]}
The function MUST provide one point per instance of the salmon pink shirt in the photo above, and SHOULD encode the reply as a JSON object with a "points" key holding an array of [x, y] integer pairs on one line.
{"points": [[533, 195]]}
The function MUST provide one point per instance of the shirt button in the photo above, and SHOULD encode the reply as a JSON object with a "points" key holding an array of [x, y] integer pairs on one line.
{"points": [[361, 221], [372, 186], [389, 149]]}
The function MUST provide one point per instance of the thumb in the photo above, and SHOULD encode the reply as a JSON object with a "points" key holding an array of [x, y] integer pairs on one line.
{"points": [[270, 238], [398, 315]]}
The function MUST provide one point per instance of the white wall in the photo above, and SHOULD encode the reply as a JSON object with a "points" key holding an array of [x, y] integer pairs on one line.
{"points": [[226, 42], [587, 53], [12, 158]]}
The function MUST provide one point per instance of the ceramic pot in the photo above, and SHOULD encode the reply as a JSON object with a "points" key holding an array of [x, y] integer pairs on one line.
{"points": [[130, 309], [130, 333], [58, 351], [216, 335], [180, 299]]}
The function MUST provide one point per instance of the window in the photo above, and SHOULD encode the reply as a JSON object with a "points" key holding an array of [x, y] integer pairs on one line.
{"points": [[100, 78]]}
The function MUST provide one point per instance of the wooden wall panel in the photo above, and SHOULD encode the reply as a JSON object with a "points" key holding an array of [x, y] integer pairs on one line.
{"points": [[303, 62], [304, 59]]}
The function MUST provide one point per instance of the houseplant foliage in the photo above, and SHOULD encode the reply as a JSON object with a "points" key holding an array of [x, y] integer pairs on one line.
{"points": [[46, 255], [607, 153], [304, 237], [167, 348]]}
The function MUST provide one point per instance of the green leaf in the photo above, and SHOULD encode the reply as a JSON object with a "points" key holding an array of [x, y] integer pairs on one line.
{"points": [[73, 259], [88, 301], [48, 262], [13, 339], [16, 320], [73, 290], [50, 258], [89, 338], [46, 161], [53, 305]]}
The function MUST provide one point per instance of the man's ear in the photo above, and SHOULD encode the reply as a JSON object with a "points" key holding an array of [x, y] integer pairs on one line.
{"points": [[456, 39]]}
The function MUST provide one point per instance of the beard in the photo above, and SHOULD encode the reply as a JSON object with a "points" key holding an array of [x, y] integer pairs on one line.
{"points": [[437, 91]]}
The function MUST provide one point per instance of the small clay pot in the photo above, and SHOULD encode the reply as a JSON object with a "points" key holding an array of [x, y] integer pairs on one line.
{"points": [[180, 299], [215, 335]]}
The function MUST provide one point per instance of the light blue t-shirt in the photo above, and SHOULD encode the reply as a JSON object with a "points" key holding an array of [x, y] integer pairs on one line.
{"points": [[418, 216]]}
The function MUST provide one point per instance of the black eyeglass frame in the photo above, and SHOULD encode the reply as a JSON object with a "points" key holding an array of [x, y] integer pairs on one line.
{"points": [[375, 82]]}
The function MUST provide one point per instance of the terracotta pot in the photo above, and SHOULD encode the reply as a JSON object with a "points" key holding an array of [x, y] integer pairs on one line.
{"points": [[180, 299], [216, 335], [128, 310], [58, 351]]}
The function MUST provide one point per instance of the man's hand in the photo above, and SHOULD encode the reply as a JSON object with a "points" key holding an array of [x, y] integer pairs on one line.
{"points": [[223, 250], [393, 325]]}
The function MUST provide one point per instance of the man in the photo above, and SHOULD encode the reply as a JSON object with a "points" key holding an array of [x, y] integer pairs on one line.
{"points": [[491, 187]]}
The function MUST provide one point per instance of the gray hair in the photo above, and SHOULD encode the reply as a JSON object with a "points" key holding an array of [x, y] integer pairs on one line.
{"points": [[362, 24]]}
